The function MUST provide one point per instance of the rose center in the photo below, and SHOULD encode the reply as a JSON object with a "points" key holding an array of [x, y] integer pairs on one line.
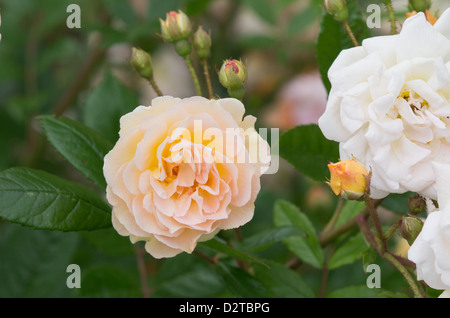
{"points": [[414, 100]]}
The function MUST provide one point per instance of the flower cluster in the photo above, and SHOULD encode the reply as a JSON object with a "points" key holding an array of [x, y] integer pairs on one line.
{"points": [[389, 107]]}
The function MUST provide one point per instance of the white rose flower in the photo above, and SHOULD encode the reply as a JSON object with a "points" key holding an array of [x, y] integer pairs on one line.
{"points": [[389, 105], [431, 249], [445, 294]]}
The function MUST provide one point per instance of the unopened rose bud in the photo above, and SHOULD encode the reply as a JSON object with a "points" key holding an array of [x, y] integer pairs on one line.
{"points": [[233, 75], [411, 227], [176, 27], [336, 8], [202, 43], [419, 5], [348, 179], [428, 16], [416, 204], [141, 62]]}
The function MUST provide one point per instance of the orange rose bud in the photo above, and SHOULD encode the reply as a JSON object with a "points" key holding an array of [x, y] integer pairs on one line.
{"points": [[348, 179], [428, 15], [410, 14], [430, 18]]}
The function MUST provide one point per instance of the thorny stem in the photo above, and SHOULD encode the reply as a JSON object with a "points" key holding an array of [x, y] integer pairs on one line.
{"points": [[350, 33], [388, 256], [391, 14], [326, 237], [377, 224], [207, 78], [409, 279], [194, 75], [391, 230]]}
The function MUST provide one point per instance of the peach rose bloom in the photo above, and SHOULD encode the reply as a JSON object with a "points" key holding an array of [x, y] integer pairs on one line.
{"points": [[182, 170]]}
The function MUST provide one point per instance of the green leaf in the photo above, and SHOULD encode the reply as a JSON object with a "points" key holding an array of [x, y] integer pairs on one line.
{"points": [[333, 39], [38, 199], [268, 237], [108, 242], [397, 203], [369, 256], [329, 45], [361, 291], [349, 252], [109, 101], [107, 281], [218, 245], [351, 209], [187, 275], [306, 246], [82, 146], [33, 263], [240, 283], [283, 282], [309, 151]]}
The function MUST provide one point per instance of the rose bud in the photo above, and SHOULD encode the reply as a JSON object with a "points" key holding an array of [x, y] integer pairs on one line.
{"points": [[336, 8], [232, 76], [176, 27], [428, 16], [348, 179], [419, 5], [416, 204], [202, 43], [141, 62], [411, 227]]}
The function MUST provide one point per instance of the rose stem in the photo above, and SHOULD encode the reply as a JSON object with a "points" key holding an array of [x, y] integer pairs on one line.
{"points": [[390, 10], [142, 271], [350, 33], [326, 237], [376, 223], [391, 230], [155, 86], [193, 74], [335, 216], [365, 231], [209, 259], [325, 275], [207, 78], [409, 279]]}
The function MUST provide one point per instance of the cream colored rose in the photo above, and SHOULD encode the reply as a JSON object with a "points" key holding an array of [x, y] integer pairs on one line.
{"points": [[182, 170], [389, 105]]}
